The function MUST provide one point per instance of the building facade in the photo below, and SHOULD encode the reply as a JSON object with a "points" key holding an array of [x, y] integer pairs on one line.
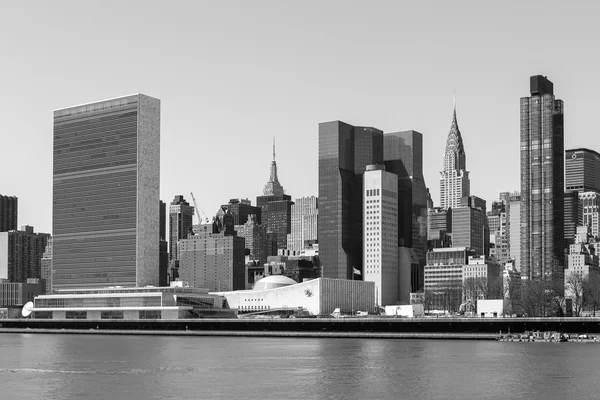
{"points": [[573, 213], [213, 260], [513, 217], [403, 156], [542, 183], [344, 153], [163, 246], [590, 209], [21, 253], [143, 303], [19, 293], [582, 170], [316, 297], [256, 239], [444, 278], [46, 266], [305, 212], [454, 179], [482, 279], [241, 209], [106, 178], [9, 212], [469, 225], [276, 207], [181, 214], [380, 232]]}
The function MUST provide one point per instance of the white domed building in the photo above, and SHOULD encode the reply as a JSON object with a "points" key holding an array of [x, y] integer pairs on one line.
{"points": [[319, 296]]}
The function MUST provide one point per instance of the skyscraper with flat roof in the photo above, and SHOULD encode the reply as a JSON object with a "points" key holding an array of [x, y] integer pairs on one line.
{"points": [[180, 223], [403, 155], [344, 153], [8, 213], [380, 232], [542, 183], [582, 170], [105, 213]]}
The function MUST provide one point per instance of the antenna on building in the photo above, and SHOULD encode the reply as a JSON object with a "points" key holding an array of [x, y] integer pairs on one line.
{"points": [[273, 148], [454, 98], [27, 309]]}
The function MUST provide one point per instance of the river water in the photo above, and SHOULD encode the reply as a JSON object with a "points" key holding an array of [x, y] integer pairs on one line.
{"points": [[46, 366]]}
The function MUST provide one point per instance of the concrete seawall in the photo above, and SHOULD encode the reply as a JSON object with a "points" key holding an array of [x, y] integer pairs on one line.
{"points": [[367, 335], [435, 328]]}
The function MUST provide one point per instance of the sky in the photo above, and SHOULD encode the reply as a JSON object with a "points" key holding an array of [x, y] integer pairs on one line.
{"points": [[233, 75]]}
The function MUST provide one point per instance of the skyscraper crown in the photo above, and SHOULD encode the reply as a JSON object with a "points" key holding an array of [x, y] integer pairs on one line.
{"points": [[273, 187], [455, 157]]}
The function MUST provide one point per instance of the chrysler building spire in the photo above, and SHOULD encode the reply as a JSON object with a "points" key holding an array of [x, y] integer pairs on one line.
{"points": [[454, 180]]}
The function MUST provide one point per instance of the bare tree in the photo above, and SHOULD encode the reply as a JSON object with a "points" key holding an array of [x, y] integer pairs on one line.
{"points": [[575, 284], [542, 298], [591, 292]]}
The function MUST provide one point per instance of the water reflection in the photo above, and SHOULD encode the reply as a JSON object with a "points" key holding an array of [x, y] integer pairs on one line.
{"points": [[154, 367]]}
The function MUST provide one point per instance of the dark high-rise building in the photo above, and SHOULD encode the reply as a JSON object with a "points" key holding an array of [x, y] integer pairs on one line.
{"points": [[542, 183], [21, 253], [163, 247], [276, 207], [241, 209], [8, 213], [403, 155], [180, 223], [573, 215], [344, 153], [469, 225], [582, 170], [106, 193], [257, 243]]}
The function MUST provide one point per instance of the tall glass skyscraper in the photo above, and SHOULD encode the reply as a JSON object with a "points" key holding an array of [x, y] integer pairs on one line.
{"points": [[105, 213], [454, 182], [403, 155], [542, 183], [344, 153]]}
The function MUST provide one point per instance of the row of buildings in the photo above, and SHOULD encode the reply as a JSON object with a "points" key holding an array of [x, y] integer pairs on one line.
{"points": [[373, 219]]}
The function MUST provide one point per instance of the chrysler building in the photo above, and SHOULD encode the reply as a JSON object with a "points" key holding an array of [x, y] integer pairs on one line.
{"points": [[454, 180]]}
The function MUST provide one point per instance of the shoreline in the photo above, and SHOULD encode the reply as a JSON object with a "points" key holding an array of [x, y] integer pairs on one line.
{"points": [[299, 334]]}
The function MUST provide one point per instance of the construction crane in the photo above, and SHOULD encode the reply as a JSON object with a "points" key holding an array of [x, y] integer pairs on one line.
{"points": [[198, 211]]}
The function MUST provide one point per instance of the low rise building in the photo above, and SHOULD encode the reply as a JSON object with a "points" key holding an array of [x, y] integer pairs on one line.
{"points": [[19, 293], [482, 279], [319, 296], [131, 304], [444, 278]]}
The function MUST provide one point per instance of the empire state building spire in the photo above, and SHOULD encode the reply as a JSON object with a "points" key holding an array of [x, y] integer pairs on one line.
{"points": [[454, 180], [273, 187]]}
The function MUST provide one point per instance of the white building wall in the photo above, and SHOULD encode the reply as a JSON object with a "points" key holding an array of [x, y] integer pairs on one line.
{"points": [[380, 234], [318, 296]]}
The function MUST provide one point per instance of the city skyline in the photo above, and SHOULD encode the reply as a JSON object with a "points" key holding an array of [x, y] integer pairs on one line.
{"points": [[259, 96]]}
